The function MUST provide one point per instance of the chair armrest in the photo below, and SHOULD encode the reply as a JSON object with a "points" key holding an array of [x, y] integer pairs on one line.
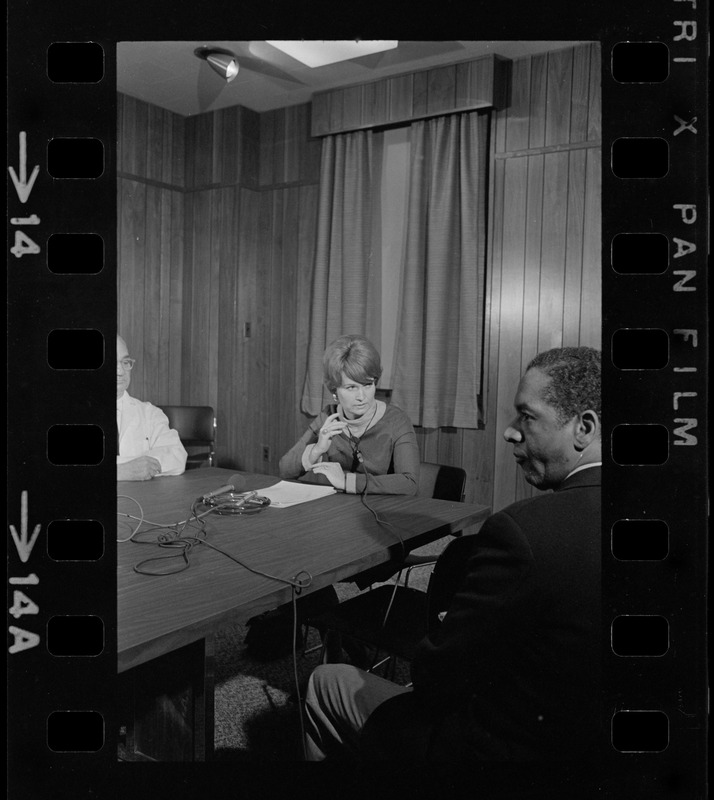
{"points": [[413, 561]]}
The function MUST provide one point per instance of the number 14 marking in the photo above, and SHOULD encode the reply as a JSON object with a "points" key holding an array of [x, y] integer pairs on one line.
{"points": [[23, 186]]}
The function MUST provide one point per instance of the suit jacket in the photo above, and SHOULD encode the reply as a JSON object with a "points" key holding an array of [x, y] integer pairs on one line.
{"points": [[513, 673]]}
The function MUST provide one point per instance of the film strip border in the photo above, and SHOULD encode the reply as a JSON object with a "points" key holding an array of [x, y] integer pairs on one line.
{"points": [[61, 501], [61, 480], [655, 484]]}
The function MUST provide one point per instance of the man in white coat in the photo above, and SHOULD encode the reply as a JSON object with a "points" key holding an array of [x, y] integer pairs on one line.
{"points": [[147, 445]]}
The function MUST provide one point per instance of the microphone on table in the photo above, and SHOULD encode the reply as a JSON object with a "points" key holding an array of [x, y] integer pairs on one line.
{"points": [[233, 499], [235, 484]]}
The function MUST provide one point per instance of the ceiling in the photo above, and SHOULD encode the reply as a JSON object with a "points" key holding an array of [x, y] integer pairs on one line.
{"points": [[169, 75]]}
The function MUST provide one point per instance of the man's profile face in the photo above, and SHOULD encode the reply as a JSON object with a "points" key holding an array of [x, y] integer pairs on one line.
{"points": [[123, 375], [543, 448]]}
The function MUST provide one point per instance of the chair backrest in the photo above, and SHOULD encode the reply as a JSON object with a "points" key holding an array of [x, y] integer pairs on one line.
{"points": [[196, 427], [447, 575], [441, 482]]}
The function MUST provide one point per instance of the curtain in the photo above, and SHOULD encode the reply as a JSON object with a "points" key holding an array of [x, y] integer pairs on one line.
{"points": [[437, 372], [346, 286]]}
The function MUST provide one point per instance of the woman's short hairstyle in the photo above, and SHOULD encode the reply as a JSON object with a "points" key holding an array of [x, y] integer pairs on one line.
{"points": [[354, 355], [575, 383]]}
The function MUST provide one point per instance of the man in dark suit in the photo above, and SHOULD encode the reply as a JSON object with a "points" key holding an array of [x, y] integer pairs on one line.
{"points": [[513, 672]]}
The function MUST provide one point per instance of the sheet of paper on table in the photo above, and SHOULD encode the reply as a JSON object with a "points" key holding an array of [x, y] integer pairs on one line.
{"points": [[285, 494]]}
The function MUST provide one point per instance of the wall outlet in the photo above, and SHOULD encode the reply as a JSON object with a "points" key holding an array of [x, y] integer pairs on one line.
{"points": [[266, 452]]}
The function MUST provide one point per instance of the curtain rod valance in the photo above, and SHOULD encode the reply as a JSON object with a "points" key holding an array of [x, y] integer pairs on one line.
{"points": [[466, 86]]}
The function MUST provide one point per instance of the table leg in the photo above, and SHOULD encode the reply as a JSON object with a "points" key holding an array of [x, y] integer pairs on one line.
{"points": [[166, 706]]}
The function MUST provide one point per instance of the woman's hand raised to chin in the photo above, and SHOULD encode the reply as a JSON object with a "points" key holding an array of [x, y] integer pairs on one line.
{"points": [[332, 426]]}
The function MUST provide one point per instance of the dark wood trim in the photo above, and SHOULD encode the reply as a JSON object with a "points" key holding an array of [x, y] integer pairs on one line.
{"points": [[555, 148], [447, 89], [208, 187], [149, 182]]}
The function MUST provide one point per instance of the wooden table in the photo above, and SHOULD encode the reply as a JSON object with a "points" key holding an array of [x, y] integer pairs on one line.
{"points": [[166, 623]]}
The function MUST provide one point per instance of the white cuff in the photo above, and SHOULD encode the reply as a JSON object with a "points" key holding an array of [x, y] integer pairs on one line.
{"points": [[305, 460]]}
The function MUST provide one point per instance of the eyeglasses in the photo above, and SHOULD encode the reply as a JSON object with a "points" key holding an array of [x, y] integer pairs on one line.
{"points": [[127, 364]]}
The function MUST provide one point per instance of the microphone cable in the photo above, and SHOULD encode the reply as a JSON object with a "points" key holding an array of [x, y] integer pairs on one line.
{"points": [[129, 516], [395, 530], [174, 539], [383, 523], [297, 583], [296, 679], [178, 526]]}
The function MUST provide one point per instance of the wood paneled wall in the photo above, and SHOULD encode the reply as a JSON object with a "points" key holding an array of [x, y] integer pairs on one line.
{"points": [[150, 185], [288, 154], [217, 228], [215, 267], [222, 149], [544, 269], [447, 89], [250, 227]]}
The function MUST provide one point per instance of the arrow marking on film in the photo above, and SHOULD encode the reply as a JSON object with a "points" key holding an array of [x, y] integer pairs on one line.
{"points": [[24, 547], [23, 187]]}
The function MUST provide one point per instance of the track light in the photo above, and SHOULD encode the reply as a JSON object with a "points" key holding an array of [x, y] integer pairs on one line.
{"points": [[221, 61]]}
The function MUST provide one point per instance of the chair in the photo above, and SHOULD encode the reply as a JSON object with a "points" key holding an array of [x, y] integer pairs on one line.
{"points": [[393, 619], [196, 427], [439, 481]]}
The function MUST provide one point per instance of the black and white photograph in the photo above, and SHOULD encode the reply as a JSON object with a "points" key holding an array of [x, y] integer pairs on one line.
{"points": [[428, 217], [409, 470]]}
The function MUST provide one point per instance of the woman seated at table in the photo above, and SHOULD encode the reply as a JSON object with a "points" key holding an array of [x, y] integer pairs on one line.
{"points": [[358, 444]]}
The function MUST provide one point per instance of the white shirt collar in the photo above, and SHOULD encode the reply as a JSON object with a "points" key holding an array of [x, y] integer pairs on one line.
{"points": [[582, 467]]}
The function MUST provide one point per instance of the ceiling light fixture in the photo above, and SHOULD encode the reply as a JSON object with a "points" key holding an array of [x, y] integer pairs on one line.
{"points": [[221, 61], [318, 54]]}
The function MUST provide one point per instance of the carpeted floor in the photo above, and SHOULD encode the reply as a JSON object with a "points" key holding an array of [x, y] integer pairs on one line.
{"points": [[256, 716]]}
